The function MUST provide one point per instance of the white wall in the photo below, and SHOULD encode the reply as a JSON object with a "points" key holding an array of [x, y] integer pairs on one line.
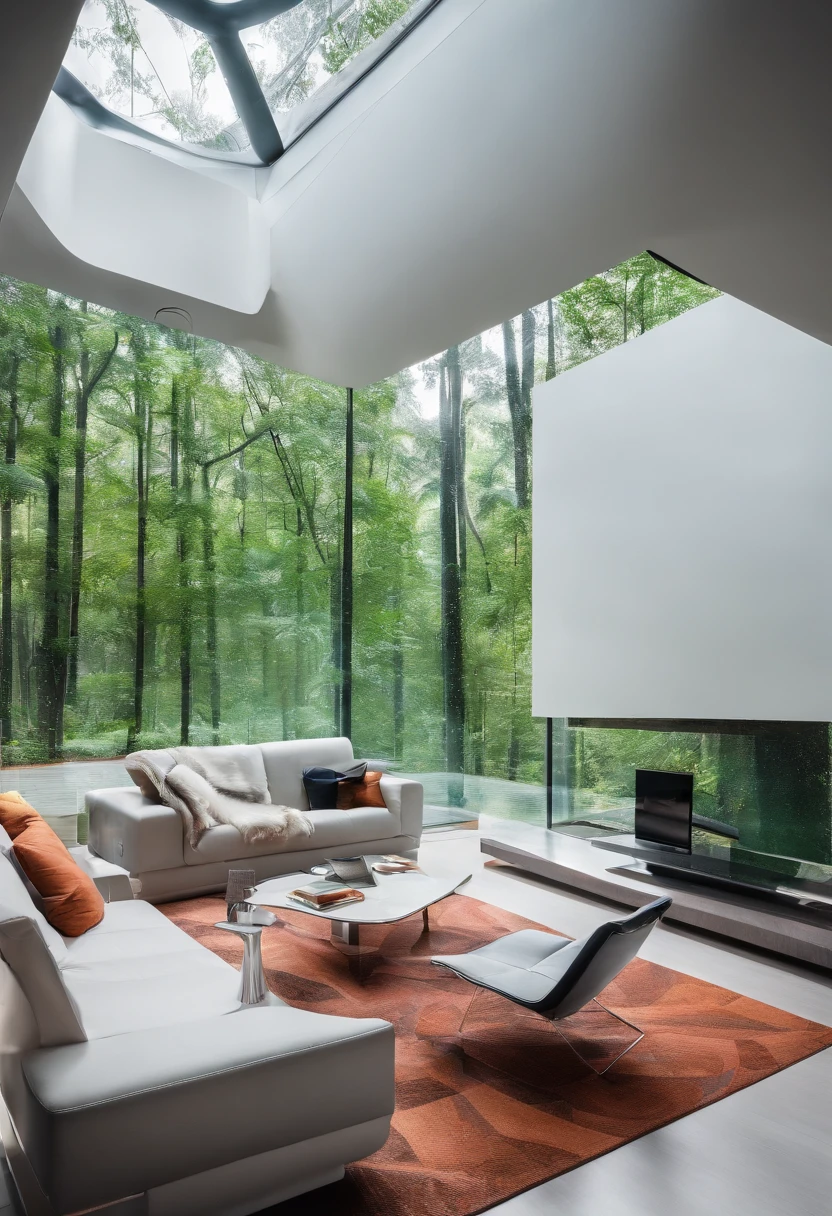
{"points": [[682, 562]]}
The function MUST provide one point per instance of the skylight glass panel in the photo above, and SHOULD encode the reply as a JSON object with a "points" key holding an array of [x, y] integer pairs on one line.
{"points": [[296, 52], [154, 70], [193, 72]]}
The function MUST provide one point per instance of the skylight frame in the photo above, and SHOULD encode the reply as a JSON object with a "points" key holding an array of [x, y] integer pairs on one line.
{"points": [[221, 25]]}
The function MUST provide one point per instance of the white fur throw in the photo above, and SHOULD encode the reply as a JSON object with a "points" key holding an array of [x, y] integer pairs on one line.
{"points": [[207, 790], [256, 823]]}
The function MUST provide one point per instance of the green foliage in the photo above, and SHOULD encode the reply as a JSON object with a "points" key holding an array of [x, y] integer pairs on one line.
{"points": [[16, 483], [363, 24]]}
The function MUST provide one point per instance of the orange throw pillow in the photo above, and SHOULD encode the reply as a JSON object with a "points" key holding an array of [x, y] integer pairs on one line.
{"points": [[352, 794], [72, 902], [15, 813]]}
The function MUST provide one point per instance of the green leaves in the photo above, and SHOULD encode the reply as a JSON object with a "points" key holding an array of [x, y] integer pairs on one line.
{"points": [[16, 484]]}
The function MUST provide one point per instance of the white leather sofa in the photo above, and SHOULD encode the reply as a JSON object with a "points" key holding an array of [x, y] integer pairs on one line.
{"points": [[131, 829], [134, 1082]]}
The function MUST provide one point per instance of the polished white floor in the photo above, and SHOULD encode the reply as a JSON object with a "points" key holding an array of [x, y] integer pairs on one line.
{"points": [[766, 1151]]}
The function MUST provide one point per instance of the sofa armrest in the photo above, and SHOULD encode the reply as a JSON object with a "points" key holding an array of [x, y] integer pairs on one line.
{"points": [[156, 1105], [133, 832], [112, 881], [405, 797]]}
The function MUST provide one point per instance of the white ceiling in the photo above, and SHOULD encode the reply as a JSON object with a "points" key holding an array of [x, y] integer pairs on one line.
{"points": [[504, 152]]}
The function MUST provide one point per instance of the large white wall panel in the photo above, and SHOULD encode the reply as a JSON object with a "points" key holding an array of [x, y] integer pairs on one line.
{"points": [[683, 525]]}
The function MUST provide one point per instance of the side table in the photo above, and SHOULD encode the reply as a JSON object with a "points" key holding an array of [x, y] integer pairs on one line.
{"points": [[253, 990]]}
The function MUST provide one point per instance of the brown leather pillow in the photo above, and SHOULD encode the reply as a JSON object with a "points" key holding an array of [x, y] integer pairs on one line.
{"points": [[72, 902], [352, 794], [15, 813]]}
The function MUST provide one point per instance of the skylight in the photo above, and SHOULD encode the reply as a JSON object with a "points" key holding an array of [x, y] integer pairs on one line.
{"points": [[194, 72]]}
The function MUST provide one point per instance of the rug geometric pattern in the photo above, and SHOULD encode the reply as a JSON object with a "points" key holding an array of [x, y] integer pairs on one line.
{"points": [[504, 1104]]}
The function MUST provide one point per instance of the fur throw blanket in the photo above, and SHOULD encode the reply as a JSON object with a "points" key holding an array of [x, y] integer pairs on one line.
{"points": [[208, 790]]}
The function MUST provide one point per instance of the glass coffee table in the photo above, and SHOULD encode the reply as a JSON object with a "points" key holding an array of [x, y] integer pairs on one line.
{"points": [[394, 898]]}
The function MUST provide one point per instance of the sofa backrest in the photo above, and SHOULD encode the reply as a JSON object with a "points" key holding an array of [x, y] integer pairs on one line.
{"points": [[33, 1000], [286, 761], [282, 763]]}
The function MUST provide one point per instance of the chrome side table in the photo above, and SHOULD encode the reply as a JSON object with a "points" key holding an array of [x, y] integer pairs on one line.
{"points": [[253, 990]]}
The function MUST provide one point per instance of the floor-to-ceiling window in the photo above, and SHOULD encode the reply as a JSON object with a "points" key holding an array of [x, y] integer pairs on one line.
{"points": [[172, 555]]}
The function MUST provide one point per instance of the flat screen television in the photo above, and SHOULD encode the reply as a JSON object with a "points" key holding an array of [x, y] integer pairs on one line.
{"points": [[664, 808]]}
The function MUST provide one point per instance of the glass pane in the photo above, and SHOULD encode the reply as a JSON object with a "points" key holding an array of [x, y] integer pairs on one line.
{"points": [[772, 785], [154, 70], [295, 53]]}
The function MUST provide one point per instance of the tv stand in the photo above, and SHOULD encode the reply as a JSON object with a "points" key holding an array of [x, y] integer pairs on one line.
{"points": [[800, 933], [719, 866]]}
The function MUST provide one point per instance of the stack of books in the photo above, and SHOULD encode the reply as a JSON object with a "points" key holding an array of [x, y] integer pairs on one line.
{"points": [[391, 863], [323, 895]]}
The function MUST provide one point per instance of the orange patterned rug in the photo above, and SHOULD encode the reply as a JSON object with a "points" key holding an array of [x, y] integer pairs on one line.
{"points": [[506, 1104]]}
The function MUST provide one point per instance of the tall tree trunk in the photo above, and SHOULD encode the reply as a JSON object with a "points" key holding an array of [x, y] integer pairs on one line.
{"points": [[6, 641], [514, 393], [87, 383], [458, 428], [334, 572], [528, 326], [346, 575], [398, 681], [210, 566], [179, 430], [81, 403], [24, 665], [465, 520], [452, 652], [52, 654], [300, 610], [141, 423], [551, 363]]}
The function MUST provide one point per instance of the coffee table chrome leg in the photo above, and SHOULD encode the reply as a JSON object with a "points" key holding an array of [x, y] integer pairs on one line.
{"points": [[344, 935]]}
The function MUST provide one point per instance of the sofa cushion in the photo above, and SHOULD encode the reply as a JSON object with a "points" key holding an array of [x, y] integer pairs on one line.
{"points": [[352, 794], [15, 901], [321, 784], [137, 970], [72, 902], [332, 830], [34, 967], [16, 813], [285, 761], [163, 1104]]}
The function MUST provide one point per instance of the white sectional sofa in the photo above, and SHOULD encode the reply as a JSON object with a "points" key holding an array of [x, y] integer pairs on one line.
{"points": [[134, 1082], [130, 828]]}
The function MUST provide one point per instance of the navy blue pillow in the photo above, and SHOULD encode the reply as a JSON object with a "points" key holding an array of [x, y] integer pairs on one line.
{"points": [[321, 784]]}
